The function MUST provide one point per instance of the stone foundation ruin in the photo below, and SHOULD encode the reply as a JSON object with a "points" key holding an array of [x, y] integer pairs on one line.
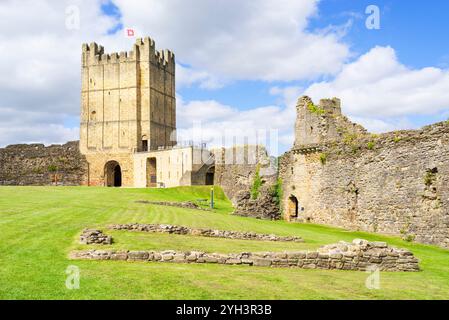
{"points": [[171, 229], [360, 255], [91, 236]]}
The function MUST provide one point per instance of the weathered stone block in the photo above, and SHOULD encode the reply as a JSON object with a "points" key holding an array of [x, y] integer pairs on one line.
{"points": [[260, 262], [138, 255]]}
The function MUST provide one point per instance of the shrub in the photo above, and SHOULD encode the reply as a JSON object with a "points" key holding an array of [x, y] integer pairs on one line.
{"points": [[397, 139], [429, 178], [52, 168], [315, 109], [276, 191], [370, 145], [256, 184], [323, 158], [349, 138]]}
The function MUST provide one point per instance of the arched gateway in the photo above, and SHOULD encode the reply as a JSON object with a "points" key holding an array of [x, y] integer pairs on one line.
{"points": [[113, 174]]}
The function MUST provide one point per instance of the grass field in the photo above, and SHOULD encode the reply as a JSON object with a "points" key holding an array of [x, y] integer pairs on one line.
{"points": [[40, 225]]}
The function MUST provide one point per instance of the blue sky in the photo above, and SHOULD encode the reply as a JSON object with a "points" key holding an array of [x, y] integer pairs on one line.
{"points": [[240, 64]]}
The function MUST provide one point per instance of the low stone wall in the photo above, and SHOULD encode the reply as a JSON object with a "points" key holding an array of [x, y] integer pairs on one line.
{"points": [[185, 205], [167, 228], [359, 255], [91, 236]]}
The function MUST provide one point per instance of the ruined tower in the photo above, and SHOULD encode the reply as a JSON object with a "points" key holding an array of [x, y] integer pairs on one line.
{"points": [[322, 123]]}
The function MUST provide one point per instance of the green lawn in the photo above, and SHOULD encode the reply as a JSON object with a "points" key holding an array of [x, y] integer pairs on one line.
{"points": [[40, 225]]}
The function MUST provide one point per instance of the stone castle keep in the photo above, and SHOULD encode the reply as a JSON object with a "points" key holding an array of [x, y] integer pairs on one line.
{"points": [[128, 120], [336, 173]]}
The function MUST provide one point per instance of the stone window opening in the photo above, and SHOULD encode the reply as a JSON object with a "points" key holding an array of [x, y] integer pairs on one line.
{"points": [[144, 145], [93, 116]]}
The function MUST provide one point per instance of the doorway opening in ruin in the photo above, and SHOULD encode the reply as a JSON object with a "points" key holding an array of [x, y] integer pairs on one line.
{"points": [[151, 173], [293, 207], [113, 174], [210, 176]]}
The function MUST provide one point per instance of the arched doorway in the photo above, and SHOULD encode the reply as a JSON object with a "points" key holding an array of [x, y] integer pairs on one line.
{"points": [[293, 207], [113, 174], [210, 176]]}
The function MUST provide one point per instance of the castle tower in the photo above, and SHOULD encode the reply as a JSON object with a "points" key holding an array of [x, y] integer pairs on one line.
{"points": [[128, 106], [127, 99]]}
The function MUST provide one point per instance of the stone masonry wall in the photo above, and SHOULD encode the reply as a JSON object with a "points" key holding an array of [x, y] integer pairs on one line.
{"points": [[394, 183], [360, 255], [235, 167], [264, 207], [35, 164]]}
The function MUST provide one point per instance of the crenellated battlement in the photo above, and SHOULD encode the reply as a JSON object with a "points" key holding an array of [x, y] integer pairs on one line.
{"points": [[144, 49], [128, 99]]}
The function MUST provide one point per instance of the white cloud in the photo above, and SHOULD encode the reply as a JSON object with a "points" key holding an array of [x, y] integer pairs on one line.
{"points": [[256, 40], [187, 77], [40, 66], [34, 127], [378, 86], [383, 125], [218, 124]]}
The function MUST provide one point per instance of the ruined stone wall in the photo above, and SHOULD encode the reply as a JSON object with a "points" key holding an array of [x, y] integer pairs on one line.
{"points": [[394, 183], [35, 164], [235, 168]]}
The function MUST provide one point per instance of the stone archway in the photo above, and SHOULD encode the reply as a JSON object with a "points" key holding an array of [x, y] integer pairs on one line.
{"points": [[113, 174], [293, 207], [210, 173]]}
